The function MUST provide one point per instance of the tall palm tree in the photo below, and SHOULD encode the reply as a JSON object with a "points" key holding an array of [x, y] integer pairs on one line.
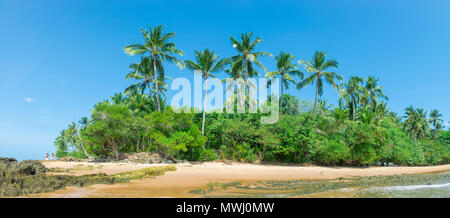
{"points": [[435, 120], [159, 48], [350, 92], [285, 69], [411, 120], [242, 65], [317, 66], [206, 62], [243, 62], [375, 91]]}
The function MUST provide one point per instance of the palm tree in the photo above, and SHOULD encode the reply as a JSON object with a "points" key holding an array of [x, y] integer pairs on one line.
{"points": [[117, 98], [159, 49], [381, 110], [318, 66], [143, 73], [285, 69], [423, 127], [435, 120], [416, 122], [411, 120], [75, 131], [138, 102], [350, 91], [439, 126], [375, 91], [243, 62], [242, 65], [206, 62]]}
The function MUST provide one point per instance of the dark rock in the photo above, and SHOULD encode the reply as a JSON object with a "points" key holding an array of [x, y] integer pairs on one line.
{"points": [[69, 159], [28, 177], [11, 167], [7, 160]]}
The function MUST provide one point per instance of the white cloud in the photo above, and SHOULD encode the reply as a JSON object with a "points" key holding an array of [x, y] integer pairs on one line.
{"points": [[29, 100]]}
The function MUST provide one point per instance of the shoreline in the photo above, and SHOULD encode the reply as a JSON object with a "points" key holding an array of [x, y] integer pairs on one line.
{"points": [[188, 177]]}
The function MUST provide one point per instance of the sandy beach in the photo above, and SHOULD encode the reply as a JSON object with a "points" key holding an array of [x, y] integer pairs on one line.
{"points": [[191, 176]]}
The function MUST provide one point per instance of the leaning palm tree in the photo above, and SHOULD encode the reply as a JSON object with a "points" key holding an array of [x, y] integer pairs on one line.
{"points": [[159, 49], [317, 66], [435, 119], [206, 62], [75, 132], [351, 93], [285, 69], [375, 91], [243, 62]]}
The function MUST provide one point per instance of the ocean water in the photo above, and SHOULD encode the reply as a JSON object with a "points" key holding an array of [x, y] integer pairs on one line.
{"points": [[435, 185], [409, 191]]}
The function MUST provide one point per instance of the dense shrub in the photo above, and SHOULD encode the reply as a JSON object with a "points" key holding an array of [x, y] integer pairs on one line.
{"points": [[114, 129], [327, 138]]}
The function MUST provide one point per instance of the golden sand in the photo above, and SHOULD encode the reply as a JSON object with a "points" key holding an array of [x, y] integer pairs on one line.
{"points": [[196, 176]]}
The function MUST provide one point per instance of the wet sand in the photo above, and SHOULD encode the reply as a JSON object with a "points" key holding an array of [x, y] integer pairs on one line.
{"points": [[196, 176], [78, 168]]}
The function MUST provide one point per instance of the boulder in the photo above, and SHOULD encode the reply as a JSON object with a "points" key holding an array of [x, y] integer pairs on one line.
{"points": [[10, 167]]}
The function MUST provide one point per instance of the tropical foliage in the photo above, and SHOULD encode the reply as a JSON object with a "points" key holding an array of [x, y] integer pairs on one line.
{"points": [[360, 130]]}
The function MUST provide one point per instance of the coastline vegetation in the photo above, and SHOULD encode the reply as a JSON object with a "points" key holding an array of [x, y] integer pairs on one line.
{"points": [[360, 130]]}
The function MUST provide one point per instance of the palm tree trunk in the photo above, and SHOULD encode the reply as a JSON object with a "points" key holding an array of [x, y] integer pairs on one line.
{"points": [[85, 152], [373, 104], [151, 94], [204, 106], [156, 83], [317, 92], [354, 108], [281, 99], [435, 132], [82, 145], [246, 86], [416, 133]]}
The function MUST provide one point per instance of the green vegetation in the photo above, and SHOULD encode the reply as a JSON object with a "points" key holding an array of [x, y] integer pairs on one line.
{"points": [[360, 130]]}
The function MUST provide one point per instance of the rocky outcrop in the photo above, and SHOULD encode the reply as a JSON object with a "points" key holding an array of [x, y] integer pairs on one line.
{"points": [[69, 159], [143, 158], [28, 177], [10, 167]]}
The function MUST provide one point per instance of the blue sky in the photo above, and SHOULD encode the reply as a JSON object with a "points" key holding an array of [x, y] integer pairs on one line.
{"points": [[58, 58]]}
